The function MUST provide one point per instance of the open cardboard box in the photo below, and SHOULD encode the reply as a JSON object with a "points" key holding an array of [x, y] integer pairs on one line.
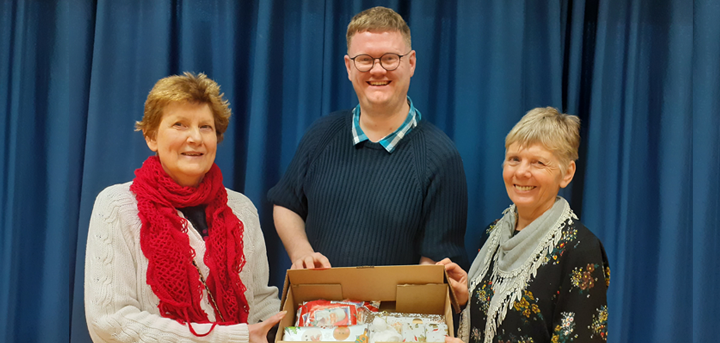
{"points": [[408, 289]]}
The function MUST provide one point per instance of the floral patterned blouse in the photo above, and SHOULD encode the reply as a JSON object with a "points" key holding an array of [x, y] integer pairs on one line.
{"points": [[565, 302]]}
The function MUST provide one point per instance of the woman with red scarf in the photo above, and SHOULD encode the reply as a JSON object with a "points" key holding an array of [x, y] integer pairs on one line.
{"points": [[174, 255]]}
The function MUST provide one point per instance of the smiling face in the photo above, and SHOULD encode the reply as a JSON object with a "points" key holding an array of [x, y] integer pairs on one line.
{"points": [[378, 89], [185, 142], [533, 176]]}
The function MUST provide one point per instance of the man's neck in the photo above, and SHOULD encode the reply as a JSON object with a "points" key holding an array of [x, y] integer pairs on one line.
{"points": [[378, 123]]}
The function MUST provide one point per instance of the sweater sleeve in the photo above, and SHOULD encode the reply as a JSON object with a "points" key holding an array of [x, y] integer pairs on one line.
{"points": [[289, 191], [581, 309], [112, 294], [445, 204]]}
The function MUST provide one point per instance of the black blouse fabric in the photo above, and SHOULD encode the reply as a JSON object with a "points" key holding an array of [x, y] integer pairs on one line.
{"points": [[196, 216], [565, 302]]}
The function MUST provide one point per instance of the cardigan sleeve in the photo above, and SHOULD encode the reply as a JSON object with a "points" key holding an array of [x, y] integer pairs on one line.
{"points": [[112, 293], [581, 309]]}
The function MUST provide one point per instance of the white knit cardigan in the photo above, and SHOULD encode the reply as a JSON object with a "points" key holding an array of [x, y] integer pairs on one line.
{"points": [[119, 304]]}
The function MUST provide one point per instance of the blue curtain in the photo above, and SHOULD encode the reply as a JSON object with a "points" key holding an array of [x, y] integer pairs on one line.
{"points": [[644, 76]]}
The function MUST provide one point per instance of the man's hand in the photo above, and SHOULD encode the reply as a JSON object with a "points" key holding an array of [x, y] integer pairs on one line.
{"points": [[458, 280], [258, 332], [426, 260], [291, 229], [311, 261]]}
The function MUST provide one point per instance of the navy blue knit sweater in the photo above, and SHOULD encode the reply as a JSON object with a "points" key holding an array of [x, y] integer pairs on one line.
{"points": [[365, 206]]}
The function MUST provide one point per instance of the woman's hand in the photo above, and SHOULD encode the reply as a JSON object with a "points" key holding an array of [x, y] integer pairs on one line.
{"points": [[449, 339], [258, 332], [458, 280]]}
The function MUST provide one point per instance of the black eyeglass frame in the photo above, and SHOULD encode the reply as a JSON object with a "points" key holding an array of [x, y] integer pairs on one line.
{"points": [[380, 60]]}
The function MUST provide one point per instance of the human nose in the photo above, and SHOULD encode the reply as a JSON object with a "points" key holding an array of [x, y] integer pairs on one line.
{"points": [[377, 66], [194, 135], [523, 169]]}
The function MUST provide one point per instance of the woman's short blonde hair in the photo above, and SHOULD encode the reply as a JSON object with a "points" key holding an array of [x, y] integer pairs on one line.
{"points": [[557, 132], [378, 19], [186, 88]]}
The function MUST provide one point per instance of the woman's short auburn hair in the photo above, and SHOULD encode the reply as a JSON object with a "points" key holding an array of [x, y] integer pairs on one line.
{"points": [[378, 19], [186, 88], [557, 132]]}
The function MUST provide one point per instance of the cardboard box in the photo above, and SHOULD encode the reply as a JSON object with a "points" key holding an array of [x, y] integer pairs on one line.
{"points": [[408, 289]]}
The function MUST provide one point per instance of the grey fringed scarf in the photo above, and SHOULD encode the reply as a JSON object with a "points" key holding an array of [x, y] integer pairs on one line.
{"points": [[515, 263]]}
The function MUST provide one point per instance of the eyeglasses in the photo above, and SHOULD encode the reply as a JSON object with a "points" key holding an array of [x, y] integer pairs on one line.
{"points": [[389, 61]]}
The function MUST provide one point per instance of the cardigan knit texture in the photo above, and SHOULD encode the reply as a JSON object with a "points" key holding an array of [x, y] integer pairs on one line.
{"points": [[365, 206], [119, 304]]}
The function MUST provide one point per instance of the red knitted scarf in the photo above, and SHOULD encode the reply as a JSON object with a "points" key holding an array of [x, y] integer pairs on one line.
{"points": [[165, 243]]}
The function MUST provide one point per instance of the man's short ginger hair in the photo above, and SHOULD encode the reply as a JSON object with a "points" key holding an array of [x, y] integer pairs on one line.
{"points": [[186, 88], [378, 19]]}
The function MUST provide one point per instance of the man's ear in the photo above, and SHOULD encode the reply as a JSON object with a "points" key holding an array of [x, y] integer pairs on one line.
{"points": [[348, 65], [569, 174], [151, 142], [412, 59]]}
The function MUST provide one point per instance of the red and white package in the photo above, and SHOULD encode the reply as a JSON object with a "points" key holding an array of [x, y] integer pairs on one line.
{"points": [[323, 313]]}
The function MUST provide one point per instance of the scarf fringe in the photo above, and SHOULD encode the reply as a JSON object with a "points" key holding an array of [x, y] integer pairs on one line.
{"points": [[508, 286]]}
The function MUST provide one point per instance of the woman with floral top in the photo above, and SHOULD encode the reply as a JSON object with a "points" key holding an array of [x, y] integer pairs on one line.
{"points": [[541, 275]]}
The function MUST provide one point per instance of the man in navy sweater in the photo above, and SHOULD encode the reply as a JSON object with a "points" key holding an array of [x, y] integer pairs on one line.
{"points": [[376, 185]]}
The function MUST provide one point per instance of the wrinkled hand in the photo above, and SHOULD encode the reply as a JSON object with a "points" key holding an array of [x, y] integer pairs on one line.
{"points": [[449, 339], [458, 279], [258, 332], [311, 261]]}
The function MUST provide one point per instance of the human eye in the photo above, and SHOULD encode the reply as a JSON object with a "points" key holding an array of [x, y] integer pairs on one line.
{"points": [[178, 124], [541, 163], [207, 127], [364, 59], [512, 160], [390, 58]]}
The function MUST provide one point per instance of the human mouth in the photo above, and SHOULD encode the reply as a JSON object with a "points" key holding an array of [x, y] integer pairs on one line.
{"points": [[524, 188], [378, 83], [192, 153]]}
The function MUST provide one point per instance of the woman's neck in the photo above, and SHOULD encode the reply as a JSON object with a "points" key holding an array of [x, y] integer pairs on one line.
{"points": [[527, 216]]}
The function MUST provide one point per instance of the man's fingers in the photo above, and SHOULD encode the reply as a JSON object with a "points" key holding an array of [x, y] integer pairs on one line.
{"points": [[312, 261], [324, 262], [309, 262], [444, 262]]}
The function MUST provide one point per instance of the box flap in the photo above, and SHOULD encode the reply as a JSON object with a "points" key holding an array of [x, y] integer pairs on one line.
{"points": [[427, 299], [354, 280], [453, 298]]}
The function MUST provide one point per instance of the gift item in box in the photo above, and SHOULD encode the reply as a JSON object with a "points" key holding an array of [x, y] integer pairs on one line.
{"points": [[334, 313], [406, 289], [393, 318], [436, 332], [325, 334], [407, 327]]}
